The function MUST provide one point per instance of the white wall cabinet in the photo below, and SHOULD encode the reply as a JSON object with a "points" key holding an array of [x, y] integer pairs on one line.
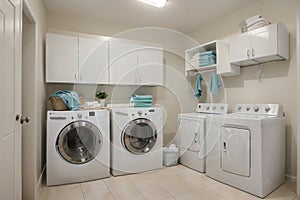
{"points": [[61, 58], [71, 59], [222, 65], [123, 62], [93, 61], [150, 66], [133, 63], [265, 44]]}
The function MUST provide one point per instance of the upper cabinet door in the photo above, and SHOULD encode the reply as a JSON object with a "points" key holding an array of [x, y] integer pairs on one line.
{"points": [[123, 62], [150, 66], [240, 51], [93, 61], [61, 58]]}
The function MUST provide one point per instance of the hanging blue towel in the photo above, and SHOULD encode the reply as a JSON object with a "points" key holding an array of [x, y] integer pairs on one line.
{"points": [[215, 83], [70, 98], [198, 88]]}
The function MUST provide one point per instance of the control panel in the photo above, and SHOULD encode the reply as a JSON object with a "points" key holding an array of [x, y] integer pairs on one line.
{"points": [[265, 109], [213, 108]]}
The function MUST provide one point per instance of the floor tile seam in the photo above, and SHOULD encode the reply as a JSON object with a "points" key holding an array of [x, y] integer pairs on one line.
{"points": [[82, 191], [139, 191], [212, 190], [112, 194], [173, 196]]}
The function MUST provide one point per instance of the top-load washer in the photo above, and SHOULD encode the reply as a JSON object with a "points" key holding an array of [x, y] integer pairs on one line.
{"points": [[136, 139], [192, 132], [78, 146], [249, 150]]}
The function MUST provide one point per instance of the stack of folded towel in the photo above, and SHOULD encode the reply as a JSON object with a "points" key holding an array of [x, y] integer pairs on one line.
{"points": [[141, 100], [255, 22], [204, 59]]}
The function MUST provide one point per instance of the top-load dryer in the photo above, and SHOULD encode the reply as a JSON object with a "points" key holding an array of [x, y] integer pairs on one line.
{"points": [[249, 149], [193, 130]]}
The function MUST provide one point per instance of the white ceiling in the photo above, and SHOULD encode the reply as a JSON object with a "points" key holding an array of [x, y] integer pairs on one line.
{"points": [[181, 15]]}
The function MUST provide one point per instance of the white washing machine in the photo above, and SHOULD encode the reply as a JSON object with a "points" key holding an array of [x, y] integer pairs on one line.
{"points": [[192, 131], [78, 146], [250, 150], [136, 139]]}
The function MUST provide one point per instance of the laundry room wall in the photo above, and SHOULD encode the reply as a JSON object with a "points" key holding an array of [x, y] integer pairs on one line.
{"points": [[279, 79], [177, 94]]}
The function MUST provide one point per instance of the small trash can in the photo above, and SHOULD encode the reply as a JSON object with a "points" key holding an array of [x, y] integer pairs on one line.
{"points": [[170, 157]]}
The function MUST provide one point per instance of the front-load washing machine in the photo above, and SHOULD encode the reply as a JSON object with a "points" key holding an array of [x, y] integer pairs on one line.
{"points": [[192, 131], [136, 139], [250, 149], [78, 146]]}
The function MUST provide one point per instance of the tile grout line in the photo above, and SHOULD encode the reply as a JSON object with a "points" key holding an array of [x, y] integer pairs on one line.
{"points": [[107, 187], [82, 191], [137, 189]]}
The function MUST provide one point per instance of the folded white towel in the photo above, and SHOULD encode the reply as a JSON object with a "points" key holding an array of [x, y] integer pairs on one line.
{"points": [[260, 20], [250, 19], [258, 25]]}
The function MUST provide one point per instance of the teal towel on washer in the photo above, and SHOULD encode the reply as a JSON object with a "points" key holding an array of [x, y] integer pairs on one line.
{"points": [[141, 97], [198, 87], [70, 98], [215, 83]]}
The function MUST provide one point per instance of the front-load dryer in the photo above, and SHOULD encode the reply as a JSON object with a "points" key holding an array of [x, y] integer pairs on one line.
{"points": [[78, 146], [136, 139], [249, 150], [193, 129]]}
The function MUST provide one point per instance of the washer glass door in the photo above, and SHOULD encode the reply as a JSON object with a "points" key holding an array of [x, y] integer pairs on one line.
{"points": [[139, 136], [79, 142]]}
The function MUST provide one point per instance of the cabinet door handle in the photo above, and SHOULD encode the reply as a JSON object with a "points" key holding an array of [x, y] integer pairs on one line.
{"points": [[253, 52], [248, 53]]}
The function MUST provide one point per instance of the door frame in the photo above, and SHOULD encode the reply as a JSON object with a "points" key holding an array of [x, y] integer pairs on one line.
{"points": [[28, 11], [298, 99]]}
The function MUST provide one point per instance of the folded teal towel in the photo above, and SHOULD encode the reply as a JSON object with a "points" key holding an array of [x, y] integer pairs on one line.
{"points": [[198, 88], [141, 104], [140, 100], [215, 83], [70, 98], [207, 53], [142, 97]]}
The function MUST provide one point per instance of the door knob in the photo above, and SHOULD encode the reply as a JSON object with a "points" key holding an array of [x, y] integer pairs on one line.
{"points": [[17, 117], [24, 119]]}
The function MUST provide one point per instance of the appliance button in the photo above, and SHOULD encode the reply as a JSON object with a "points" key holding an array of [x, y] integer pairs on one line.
{"points": [[140, 112], [248, 108], [214, 107], [267, 109], [256, 108], [207, 108], [79, 115], [222, 107], [239, 108]]}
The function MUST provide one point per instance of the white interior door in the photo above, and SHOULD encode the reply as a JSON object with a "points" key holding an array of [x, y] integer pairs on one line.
{"points": [[235, 150], [10, 101]]}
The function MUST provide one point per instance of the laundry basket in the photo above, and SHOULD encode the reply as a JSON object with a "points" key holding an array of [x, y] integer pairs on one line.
{"points": [[58, 103], [170, 157]]}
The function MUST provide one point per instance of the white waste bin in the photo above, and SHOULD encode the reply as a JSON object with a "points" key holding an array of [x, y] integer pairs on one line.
{"points": [[170, 155]]}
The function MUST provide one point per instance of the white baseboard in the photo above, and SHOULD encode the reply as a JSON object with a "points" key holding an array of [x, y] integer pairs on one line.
{"points": [[294, 178], [39, 183]]}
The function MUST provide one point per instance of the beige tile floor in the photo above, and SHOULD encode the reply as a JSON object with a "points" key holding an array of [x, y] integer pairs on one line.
{"points": [[171, 183]]}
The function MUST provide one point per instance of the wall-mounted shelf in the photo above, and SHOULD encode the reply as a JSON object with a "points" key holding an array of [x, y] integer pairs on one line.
{"points": [[222, 66]]}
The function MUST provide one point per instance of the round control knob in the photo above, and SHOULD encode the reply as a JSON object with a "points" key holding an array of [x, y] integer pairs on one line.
{"points": [[239, 108], [140, 112], [199, 106], [207, 108], [79, 115], [248, 108], [267, 109], [214, 107], [256, 108], [222, 107]]}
